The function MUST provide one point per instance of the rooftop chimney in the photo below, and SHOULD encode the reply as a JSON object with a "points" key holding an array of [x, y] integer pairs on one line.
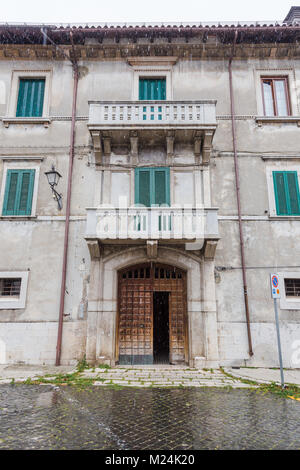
{"points": [[293, 16]]}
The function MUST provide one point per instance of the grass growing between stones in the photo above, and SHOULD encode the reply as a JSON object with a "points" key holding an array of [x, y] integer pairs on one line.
{"points": [[77, 379], [291, 391], [63, 379], [73, 378]]}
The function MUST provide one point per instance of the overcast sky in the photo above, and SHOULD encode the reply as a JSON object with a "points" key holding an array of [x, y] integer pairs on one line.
{"points": [[74, 11]]}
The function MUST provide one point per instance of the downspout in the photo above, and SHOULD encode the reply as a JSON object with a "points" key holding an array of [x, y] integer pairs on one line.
{"points": [[237, 183], [68, 205]]}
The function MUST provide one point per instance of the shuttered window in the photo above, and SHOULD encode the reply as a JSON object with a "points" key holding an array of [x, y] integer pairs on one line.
{"points": [[18, 192], [152, 186], [152, 89], [286, 192], [31, 97]]}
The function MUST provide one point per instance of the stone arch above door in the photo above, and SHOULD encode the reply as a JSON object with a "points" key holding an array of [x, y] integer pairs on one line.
{"points": [[166, 255], [201, 310]]}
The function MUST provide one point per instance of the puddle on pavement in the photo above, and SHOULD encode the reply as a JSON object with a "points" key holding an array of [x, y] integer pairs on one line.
{"points": [[46, 417]]}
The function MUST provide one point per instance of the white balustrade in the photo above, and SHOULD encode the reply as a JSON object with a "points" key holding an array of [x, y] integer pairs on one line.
{"points": [[147, 113], [151, 223]]}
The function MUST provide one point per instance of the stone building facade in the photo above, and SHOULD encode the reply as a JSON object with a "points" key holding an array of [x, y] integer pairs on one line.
{"points": [[184, 193]]}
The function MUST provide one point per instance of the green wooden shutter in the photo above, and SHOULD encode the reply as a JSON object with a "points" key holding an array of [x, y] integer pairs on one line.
{"points": [[142, 187], [286, 192], [152, 186], [25, 192], [280, 193], [31, 97], [152, 89], [10, 193], [161, 186], [293, 191], [18, 192]]}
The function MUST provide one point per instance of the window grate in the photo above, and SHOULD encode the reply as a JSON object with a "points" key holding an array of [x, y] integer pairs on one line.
{"points": [[292, 287], [10, 287]]}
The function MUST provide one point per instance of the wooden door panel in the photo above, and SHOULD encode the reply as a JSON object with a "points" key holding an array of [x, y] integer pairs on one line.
{"points": [[135, 323]]}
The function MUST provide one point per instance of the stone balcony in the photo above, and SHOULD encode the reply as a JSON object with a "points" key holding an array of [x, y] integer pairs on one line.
{"points": [[112, 123], [197, 229]]}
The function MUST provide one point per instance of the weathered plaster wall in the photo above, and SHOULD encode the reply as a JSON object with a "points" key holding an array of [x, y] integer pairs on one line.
{"points": [[37, 244]]}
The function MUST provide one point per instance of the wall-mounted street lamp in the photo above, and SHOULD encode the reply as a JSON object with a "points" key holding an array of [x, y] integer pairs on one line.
{"points": [[53, 178]]}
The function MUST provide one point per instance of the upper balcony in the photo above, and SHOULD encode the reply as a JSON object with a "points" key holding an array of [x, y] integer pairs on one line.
{"points": [[107, 115], [112, 122]]}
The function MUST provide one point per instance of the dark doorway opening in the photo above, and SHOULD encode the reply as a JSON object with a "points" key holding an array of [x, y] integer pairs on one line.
{"points": [[161, 335]]}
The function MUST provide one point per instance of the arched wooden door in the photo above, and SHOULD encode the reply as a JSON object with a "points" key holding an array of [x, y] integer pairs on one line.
{"points": [[151, 313]]}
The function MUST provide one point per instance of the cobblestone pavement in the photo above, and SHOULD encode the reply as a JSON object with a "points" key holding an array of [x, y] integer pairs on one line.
{"points": [[263, 375], [163, 376], [21, 372], [136, 376], [49, 417]]}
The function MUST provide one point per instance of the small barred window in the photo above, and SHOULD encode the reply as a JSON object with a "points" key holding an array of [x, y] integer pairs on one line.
{"points": [[292, 287], [10, 287]]}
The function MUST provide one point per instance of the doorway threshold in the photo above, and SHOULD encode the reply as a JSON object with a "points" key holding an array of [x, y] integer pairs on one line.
{"points": [[153, 366]]}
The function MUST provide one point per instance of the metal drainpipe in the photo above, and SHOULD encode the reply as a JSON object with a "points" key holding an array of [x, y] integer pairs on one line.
{"points": [[68, 204], [237, 183]]}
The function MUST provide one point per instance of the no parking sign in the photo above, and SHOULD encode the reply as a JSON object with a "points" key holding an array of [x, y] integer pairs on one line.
{"points": [[275, 291]]}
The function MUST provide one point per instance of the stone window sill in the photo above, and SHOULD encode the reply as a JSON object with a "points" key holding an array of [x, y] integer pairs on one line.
{"points": [[260, 120], [26, 120], [284, 217], [18, 217]]}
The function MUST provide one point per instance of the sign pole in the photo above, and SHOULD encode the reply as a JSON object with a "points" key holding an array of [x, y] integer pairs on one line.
{"points": [[279, 343], [275, 293]]}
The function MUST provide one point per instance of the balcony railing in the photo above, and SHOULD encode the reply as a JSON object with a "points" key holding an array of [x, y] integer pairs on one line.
{"points": [[147, 113], [142, 223]]}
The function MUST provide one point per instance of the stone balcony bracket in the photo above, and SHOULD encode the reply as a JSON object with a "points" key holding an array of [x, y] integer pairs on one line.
{"points": [[151, 249], [134, 147], [209, 249], [96, 138], [94, 248]]}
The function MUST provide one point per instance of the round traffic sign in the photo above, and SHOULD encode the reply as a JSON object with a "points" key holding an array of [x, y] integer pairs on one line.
{"points": [[275, 281]]}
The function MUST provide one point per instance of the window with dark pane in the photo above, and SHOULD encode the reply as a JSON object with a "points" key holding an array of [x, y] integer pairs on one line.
{"points": [[276, 96], [31, 97], [10, 287], [292, 287]]}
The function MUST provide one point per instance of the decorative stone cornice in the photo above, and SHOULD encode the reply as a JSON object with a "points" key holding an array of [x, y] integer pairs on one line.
{"points": [[194, 50]]}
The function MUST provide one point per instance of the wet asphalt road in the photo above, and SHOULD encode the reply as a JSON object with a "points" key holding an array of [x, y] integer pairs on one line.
{"points": [[43, 417]]}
